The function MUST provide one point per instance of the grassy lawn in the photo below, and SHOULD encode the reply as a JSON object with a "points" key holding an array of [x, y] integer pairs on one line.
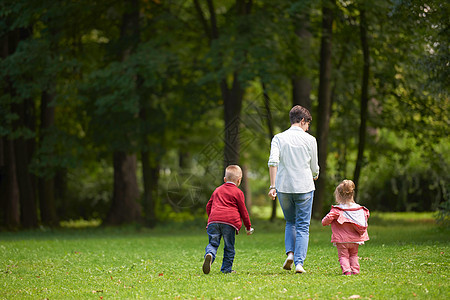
{"points": [[407, 257]]}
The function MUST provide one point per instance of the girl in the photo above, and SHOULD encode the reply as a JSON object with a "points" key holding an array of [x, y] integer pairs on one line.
{"points": [[348, 225]]}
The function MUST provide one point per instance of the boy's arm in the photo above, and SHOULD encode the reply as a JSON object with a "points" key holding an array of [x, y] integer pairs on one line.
{"points": [[249, 232], [208, 206], [243, 211]]}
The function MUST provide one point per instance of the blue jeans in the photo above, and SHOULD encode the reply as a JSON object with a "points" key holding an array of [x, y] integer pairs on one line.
{"points": [[215, 232], [297, 213]]}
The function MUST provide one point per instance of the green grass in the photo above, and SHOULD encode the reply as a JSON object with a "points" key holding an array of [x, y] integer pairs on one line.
{"points": [[407, 257]]}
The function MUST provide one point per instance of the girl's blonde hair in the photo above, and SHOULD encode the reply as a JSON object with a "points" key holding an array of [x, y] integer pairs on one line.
{"points": [[344, 192]]}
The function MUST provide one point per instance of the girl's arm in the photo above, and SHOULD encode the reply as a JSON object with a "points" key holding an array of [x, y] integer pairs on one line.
{"points": [[330, 217]]}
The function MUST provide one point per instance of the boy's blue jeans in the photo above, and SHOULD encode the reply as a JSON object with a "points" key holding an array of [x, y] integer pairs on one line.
{"points": [[215, 232], [297, 213]]}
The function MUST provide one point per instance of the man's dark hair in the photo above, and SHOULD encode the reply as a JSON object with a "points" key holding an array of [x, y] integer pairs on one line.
{"points": [[299, 113]]}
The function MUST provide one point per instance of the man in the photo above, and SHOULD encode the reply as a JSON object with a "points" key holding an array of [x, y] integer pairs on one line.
{"points": [[293, 167]]}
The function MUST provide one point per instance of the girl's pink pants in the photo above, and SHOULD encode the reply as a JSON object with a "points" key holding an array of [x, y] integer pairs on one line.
{"points": [[348, 257]]}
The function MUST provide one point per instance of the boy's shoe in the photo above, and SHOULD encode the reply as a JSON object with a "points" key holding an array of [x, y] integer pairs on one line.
{"points": [[229, 272], [207, 263], [288, 262], [299, 269]]}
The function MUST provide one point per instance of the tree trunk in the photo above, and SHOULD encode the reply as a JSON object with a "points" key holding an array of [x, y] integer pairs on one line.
{"points": [[10, 188], [232, 111], [3, 186], [301, 84], [23, 147], [232, 98], [27, 192], [150, 161], [246, 188], [301, 91], [273, 215], [124, 208], [364, 98], [324, 108], [61, 194], [3, 148], [150, 177], [46, 185]]}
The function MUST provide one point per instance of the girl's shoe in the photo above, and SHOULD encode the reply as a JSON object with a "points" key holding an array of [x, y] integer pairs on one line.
{"points": [[289, 261], [347, 273]]}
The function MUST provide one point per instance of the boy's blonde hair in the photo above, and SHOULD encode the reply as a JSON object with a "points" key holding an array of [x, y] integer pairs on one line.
{"points": [[344, 192], [233, 173]]}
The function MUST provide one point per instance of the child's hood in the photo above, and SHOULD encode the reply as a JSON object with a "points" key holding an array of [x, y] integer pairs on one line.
{"points": [[356, 216]]}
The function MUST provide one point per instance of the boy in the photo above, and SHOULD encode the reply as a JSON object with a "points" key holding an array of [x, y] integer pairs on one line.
{"points": [[225, 209]]}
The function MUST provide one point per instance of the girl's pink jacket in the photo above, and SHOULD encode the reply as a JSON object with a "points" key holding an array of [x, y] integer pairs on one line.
{"points": [[348, 225]]}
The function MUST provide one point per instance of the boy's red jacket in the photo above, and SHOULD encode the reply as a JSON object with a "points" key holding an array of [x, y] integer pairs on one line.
{"points": [[227, 206]]}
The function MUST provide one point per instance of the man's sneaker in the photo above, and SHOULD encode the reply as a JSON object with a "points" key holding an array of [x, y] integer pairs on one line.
{"points": [[299, 269], [207, 263], [288, 262]]}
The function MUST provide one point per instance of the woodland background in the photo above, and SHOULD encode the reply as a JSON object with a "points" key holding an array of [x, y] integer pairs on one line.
{"points": [[128, 111]]}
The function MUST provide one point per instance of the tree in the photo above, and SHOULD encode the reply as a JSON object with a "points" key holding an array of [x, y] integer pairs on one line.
{"points": [[364, 95], [9, 187], [301, 81], [324, 107], [46, 186], [123, 106], [24, 144], [232, 94]]}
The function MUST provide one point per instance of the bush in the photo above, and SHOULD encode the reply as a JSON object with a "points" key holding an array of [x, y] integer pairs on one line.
{"points": [[443, 214]]}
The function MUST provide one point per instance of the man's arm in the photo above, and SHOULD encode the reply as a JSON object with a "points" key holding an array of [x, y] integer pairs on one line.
{"points": [[273, 175], [274, 159], [314, 160]]}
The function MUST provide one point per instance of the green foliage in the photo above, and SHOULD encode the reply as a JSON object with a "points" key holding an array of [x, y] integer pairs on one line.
{"points": [[163, 96], [165, 262], [89, 192], [443, 215], [406, 177]]}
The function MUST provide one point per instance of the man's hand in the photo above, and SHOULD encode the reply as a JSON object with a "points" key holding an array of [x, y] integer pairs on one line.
{"points": [[272, 194], [250, 231]]}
